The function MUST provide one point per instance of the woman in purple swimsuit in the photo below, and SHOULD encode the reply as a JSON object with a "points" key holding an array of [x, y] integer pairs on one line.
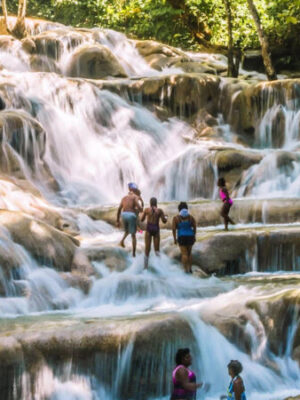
{"points": [[227, 202], [184, 380]]}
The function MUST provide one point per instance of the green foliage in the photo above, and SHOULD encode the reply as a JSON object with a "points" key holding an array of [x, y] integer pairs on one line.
{"points": [[158, 19]]}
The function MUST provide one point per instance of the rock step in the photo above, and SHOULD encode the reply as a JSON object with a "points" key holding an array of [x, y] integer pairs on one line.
{"points": [[262, 249], [207, 212]]}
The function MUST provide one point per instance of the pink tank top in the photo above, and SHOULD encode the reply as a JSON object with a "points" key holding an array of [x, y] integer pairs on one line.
{"points": [[224, 197], [178, 391]]}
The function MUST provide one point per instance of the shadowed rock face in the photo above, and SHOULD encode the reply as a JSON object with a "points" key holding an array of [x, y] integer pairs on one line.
{"points": [[23, 145], [246, 104], [183, 95]]}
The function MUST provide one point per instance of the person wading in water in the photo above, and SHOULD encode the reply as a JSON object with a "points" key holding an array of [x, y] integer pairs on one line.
{"points": [[186, 228], [153, 215], [227, 202], [129, 204], [184, 380], [236, 389]]}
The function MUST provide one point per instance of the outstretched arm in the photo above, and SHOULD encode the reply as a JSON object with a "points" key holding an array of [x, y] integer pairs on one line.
{"points": [[144, 216], [163, 216]]}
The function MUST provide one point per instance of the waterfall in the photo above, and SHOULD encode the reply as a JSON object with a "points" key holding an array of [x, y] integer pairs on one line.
{"points": [[74, 132]]}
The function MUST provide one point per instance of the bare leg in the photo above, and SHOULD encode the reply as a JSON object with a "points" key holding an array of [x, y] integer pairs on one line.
{"points": [[184, 258], [224, 213], [231, 221], [189, 253], [122, 244], [147, 248], [156, 241], [133, 237]]}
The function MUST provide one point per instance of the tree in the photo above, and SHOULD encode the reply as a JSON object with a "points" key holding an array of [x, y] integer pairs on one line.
{"points": [[230, 70], [270, 71], [19, 30]]}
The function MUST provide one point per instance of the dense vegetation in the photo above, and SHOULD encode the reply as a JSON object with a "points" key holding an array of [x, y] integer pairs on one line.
{"points": [[184, 23]]}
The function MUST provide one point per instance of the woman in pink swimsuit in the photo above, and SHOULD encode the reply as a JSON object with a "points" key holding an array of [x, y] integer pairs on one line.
{"points": [[227, 202], [184, 380]]}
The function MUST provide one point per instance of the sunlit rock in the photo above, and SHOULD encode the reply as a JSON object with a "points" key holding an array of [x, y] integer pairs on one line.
{"points": [[45, 243], [231, 164], [95, 62], [207, 213]]}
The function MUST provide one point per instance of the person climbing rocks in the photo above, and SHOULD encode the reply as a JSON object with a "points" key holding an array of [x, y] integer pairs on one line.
{"points": [[227, 202], [184, 232], [129, 206], [184, 380], [236, 388], [153, 215]]}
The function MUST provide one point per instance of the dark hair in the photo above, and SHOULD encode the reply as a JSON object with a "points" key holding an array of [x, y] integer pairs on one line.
{"points": [[221, 182], [236, 366], [153, 202], [182, 205], [181, 353], [137, 192]]}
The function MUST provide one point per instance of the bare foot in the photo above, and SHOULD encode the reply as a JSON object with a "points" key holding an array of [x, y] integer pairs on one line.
{"points": [[122, 244]]}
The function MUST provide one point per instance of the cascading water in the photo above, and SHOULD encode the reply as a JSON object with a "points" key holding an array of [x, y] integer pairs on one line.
{"points": [[112, 333]]}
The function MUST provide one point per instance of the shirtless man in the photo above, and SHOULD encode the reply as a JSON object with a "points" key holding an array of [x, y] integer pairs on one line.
{"points": [[129, 204]]}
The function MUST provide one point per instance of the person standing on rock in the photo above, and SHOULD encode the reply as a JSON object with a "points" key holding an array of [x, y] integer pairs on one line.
{"points": [[184, 380], [128, 206], [153, 215], [184, 232], [227, 202]]}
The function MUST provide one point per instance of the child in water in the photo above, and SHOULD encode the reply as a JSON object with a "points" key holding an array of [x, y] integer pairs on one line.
{"points": [[236, 389], [227, 202]]}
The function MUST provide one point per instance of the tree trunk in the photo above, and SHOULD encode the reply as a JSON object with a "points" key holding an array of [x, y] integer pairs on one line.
{"points": [[231, 69], [19, 30], [4, 10], [270, 71]]}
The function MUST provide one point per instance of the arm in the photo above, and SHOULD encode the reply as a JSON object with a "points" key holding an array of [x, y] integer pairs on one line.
{"points": [[182, 376], [238, 388], [137, 204], [144, 215], [225, 191], [119, 213], [142, 201], [162, 216], [174, 226], [194, 225]]}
